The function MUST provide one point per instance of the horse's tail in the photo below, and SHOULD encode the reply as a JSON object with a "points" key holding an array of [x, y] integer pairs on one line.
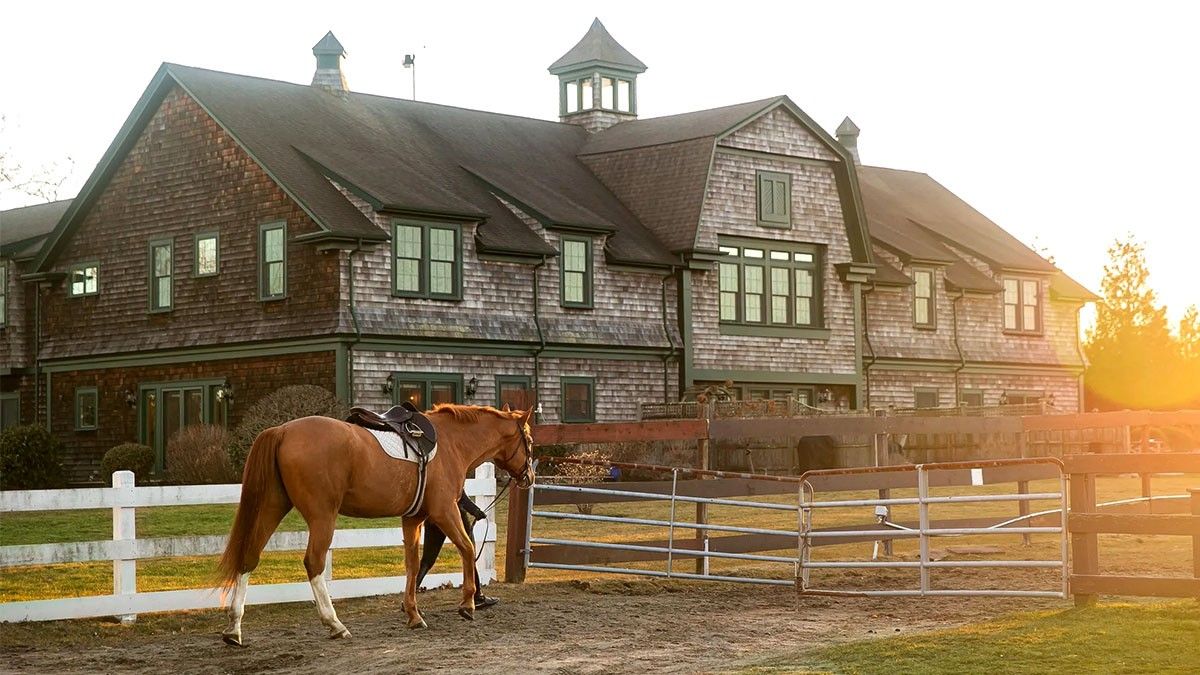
{"points": [[260, 477]]}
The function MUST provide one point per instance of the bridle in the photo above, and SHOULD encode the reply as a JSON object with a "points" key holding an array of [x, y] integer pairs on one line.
{"points": [[525, 480]]}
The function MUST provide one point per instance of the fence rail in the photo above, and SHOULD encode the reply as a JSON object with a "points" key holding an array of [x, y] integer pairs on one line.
{"points": [[125, 549]]}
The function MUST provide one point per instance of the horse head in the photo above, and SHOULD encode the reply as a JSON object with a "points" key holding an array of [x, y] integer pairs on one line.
{"points": [[517, 459]]}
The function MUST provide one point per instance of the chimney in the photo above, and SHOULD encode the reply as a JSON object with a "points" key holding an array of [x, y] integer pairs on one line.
{"points": [[847, 135], [329, 74]]}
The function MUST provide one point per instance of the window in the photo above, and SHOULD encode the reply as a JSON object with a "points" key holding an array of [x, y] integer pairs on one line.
{"points": [[87, 404], [925, 398], [514, 390], [425, 390], [924, 299], [10, 408], [769, 284], [84, 279], [576, 272], [207, 259], [3, 293], [428, 260], [972, 399], [578, 399], [272, 266], [774, 199], [1022, 305], [1022, 397], [161, 275], [165, 408]]}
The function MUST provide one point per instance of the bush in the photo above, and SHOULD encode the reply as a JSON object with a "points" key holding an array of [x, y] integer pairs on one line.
{"points": [[584, 473], [283, 405], [197, 455], [29, 459], [128, 457]]}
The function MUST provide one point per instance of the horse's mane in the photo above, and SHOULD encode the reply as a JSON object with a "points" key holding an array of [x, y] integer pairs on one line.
{"points": [[471, 413]]}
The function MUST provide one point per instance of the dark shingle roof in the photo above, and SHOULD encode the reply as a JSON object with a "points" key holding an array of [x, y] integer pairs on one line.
{"points": [[597, 48], [674, 128], [23, 230], [329, 45]]}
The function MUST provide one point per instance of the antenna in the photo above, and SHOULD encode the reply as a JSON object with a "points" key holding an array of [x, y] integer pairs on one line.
{"points": [[410, 62]]}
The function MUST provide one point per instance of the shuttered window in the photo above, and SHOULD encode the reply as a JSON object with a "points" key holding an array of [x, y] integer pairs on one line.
{"points": [[576, 272], [1022, 305], [924, 309], [162, 274], [272, 282], [774, 199], [427, 260]]}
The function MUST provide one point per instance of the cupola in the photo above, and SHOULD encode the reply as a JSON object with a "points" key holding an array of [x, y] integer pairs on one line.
{"points": [[597, 81], [329, 73]]}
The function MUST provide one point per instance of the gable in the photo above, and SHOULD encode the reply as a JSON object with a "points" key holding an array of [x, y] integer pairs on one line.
{"points": [[779, 132]]}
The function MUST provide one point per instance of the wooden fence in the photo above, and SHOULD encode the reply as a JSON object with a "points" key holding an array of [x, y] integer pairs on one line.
{"points": [[125, 549]]}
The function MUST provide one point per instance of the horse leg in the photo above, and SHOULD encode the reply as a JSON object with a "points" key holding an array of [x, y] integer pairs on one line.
{"points": [[275, 507], [320, 536], [412, 536], [450, 521]]}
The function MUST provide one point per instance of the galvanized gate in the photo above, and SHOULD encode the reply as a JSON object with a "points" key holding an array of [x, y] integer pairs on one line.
{"points": [[971, 473]]}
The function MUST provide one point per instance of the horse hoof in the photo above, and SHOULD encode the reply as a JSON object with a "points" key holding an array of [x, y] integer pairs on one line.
{"points": [[232, 639], [419, 624], [468, 614], [344, 633]]}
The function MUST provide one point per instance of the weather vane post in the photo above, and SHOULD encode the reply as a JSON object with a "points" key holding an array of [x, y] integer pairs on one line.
{"points": [[410, 62]]}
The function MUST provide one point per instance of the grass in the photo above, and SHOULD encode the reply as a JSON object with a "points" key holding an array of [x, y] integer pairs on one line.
{"points": [[1110, 638]]}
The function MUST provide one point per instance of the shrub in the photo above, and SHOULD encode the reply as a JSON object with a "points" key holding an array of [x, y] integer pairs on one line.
{"points": [[29, 459], [197, 455], [128, 457], [282, 405], [584, 473]]}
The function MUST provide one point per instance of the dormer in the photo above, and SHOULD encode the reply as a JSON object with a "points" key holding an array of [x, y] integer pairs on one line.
{"points": [[597, 81]]}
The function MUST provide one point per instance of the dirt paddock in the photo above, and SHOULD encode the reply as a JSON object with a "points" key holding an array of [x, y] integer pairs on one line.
{"points": [[601, 625]]}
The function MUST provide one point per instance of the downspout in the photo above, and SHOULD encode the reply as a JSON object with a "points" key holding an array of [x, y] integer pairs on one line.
{"points": [[962, 360], [37, 354], [672, 352], [357, 328], [537, 364], [1081, 386], [870, 347]]}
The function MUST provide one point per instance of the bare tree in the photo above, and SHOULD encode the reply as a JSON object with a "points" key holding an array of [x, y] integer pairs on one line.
{"points": [[43, 181]]}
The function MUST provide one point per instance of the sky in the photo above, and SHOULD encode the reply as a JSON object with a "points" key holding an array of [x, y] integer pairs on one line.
{"points": [[1069, 124]]}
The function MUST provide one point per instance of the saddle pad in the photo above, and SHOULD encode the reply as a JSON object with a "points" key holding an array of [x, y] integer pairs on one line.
{"points": [[395, 446]]}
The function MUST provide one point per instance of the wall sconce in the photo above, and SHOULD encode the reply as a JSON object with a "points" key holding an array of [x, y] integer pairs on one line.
{"points": [[130, 398], [1004, 398], [825, 395], [387, 386], [225, 393], [472, 385]]}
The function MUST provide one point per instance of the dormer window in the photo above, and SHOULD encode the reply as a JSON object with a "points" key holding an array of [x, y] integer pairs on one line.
{"points": [[924, 299], [1022, 305]]}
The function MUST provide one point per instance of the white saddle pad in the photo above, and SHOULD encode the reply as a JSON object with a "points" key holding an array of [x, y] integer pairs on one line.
{"points": [[394, 445]]}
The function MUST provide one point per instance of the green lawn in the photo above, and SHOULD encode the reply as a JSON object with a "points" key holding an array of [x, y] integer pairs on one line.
{"points": [[1110, 638]]}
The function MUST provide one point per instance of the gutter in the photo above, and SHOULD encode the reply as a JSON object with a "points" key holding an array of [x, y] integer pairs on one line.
{"points": [[870, 347], [537, 321], [962, 360], [673, 351], [354, 319]]}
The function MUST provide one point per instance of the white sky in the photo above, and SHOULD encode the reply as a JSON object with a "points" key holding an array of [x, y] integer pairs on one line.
{"points": [[1066, 123]]}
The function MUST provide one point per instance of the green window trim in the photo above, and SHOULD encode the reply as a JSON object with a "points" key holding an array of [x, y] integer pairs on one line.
{"points": [[770, 288], [924, 292], [971, 398], [152, 401], [1021, 306], [427, 260], [576, 273], [774, 198], [272, 264], [3, 293], [161, 276], [572, 382], [82, 275], [87, 409], [10, 409], [523, 381], [197, 241], [427, 383], [921, 397]]}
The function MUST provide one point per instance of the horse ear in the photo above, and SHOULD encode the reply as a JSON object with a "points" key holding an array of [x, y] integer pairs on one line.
{"points": [[526, 416], [506, 408]]}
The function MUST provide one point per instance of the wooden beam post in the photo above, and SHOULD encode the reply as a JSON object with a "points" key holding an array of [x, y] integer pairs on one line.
{"points": [[1023, 486], [518, 535], [702, 462], [1084, 545], [883, 458], [1195, 499]]}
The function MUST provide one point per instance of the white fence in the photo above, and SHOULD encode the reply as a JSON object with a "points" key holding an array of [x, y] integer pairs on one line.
{"points": [[125, 549]]}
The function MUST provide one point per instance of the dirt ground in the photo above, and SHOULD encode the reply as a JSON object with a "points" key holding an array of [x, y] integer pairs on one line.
{"points": [[601, 625]]}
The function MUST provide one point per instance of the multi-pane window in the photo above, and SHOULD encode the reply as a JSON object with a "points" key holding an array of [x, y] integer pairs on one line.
{"points": [[425, 390], [769, 283], [87, 404], [3, 293], [162, 275], [615, 94], [925, 398], [207, 255], [168, 407], [576, 272], [774, 198], [514, 391], [1022, 305], [427, 260], [578, 399], [924, 309], [272, 264], [84, 279]]}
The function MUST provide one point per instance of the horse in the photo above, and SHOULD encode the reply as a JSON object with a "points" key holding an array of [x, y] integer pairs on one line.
{"points": [[323, 467]]}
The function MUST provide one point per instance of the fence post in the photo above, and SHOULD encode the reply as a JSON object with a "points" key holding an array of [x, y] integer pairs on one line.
{"points": [[1195, 499], [487, 471], [703, 462], [124, 538], [518, 535], [1084, 545], [1023, 487], [883, 458]]}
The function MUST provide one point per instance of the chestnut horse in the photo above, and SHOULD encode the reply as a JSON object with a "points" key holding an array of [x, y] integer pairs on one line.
{"points": [[324, 467]]}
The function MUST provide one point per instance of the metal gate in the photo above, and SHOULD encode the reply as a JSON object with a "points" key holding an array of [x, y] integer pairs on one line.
{"points": [[883, 479]]}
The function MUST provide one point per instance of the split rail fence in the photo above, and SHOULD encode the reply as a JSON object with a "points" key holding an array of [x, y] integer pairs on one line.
{"points": [[125, 549]]}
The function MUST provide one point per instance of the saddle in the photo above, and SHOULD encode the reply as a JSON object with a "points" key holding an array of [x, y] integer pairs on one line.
{"points": [[415, 431]]}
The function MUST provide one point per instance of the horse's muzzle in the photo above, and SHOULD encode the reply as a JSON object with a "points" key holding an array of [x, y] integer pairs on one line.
{"points": [[526, 479]]}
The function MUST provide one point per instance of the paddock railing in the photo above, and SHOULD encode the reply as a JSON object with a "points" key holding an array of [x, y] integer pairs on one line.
{"points": [[125, 549]]}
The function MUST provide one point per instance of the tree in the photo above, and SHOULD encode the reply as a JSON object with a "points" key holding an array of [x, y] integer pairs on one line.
{"points": [[43, 182], [1134, 361]]}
